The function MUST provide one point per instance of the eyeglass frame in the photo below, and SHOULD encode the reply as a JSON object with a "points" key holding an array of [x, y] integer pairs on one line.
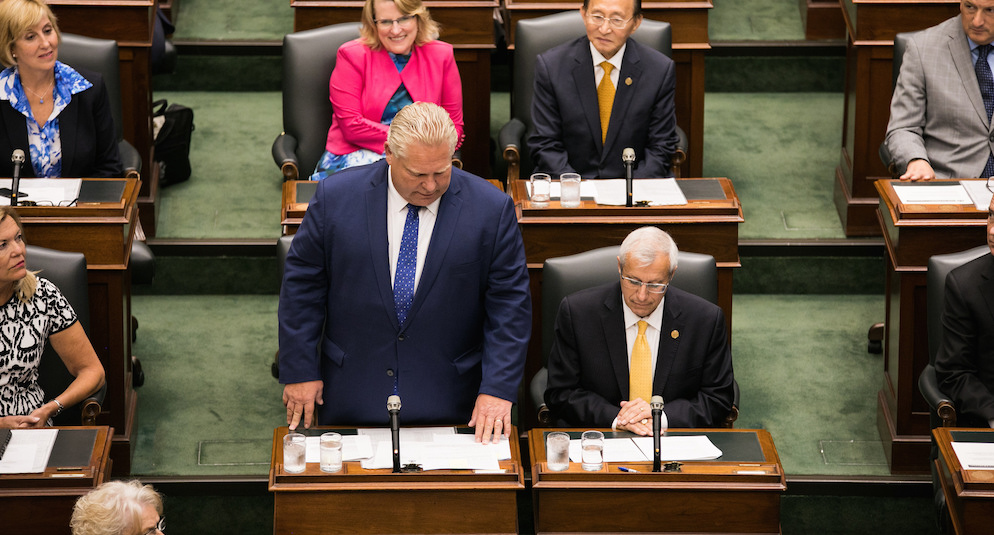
{"points": [[648, 285], [399, 21], [617, 24], [160, 527]]}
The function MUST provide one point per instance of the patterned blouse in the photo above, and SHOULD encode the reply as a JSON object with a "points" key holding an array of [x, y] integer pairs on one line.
{"points": [[44, 141], [24, 328]]}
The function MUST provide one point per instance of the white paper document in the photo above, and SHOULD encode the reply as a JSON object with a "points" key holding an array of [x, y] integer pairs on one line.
{"points": [[977, 189], [47, 191], [28, 451], [441, 455], [639, 449], [975, 455], [933, 194], [658, 191]]}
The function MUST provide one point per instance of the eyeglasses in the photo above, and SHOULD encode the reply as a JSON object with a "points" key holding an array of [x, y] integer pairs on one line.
{"points": [[386, 24], [652, 287], [598, 20], [160, 527]]}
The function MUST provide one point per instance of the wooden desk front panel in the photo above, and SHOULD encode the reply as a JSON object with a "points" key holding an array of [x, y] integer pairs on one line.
{"points": [[969, 493]]}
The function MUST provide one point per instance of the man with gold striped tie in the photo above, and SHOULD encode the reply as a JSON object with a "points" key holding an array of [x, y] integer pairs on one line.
{"points": [[619, 344]]}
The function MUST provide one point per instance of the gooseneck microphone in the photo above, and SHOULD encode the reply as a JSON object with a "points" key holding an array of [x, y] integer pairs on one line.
{"points": [[18, 158], [628, 157], [393, 407], [656, 404]]}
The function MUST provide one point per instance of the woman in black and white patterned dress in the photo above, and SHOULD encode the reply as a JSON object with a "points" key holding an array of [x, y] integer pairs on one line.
{"points": [[33, 311]]}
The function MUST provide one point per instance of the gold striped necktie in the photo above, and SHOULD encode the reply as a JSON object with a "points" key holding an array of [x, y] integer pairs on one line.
{"points": [[640, 370], [605, 98]]}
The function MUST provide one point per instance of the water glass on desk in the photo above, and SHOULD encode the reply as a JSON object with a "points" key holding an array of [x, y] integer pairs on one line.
{"points": [[541, 185], [294, 453], [569, 190], [592, 450], [557, 451], [331, 452]]}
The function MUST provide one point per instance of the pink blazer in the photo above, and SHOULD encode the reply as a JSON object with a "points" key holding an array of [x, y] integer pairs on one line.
{"points": [[364, 80]]}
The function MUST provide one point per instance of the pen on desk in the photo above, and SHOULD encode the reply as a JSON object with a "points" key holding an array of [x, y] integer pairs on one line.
{"points": [[71, 468], [69, 475], [626, 469]]}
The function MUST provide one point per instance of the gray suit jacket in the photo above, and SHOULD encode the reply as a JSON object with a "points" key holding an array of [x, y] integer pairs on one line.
{"points": [[937, 112]]}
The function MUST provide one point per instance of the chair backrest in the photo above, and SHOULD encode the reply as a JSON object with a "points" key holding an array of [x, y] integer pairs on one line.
{"points": [[98, 55], [535, 36], [308, 60], [938, 267], [696, 273], [282, 249], [68, 272]]}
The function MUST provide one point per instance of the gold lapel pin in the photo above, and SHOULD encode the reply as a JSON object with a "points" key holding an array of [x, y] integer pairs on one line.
{"points": [[674, 334], [628, 81]]}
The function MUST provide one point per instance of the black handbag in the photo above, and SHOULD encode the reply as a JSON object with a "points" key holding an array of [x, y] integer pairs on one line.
{"points": [[172, 142]]}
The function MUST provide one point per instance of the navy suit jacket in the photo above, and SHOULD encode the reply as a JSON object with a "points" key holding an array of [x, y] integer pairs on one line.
{"points": [[566, 128], [467, 330], [588, 363], [964, 364], [86, 129]]}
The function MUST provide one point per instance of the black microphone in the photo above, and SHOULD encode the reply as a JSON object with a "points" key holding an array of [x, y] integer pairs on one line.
{"points": [[18, 158], [628, 157], [393, 407], [657, 412]]}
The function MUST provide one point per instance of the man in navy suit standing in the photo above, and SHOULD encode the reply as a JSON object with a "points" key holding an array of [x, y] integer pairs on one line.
{"points": [[407, 276], [599, 94]]}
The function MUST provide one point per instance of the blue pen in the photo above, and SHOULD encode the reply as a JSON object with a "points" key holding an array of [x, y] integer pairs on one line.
{"points": [[624, 469]]}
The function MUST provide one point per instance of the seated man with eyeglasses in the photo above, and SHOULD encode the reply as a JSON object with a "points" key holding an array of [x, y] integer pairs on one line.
{"points": [[599, 94], [619, 344]]}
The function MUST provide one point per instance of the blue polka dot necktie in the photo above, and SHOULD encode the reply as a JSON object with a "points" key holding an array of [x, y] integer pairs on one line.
{"points": [[986, 80], [407, 262]]}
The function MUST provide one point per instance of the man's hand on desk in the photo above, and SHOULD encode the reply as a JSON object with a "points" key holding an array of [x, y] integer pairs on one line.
{"points": [[918, 170], [299, 399], [635, 416], [19, 422], [491, 418]]}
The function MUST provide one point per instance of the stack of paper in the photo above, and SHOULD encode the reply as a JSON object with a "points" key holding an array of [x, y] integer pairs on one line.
{"points": [[639, 449], [28, 451]]}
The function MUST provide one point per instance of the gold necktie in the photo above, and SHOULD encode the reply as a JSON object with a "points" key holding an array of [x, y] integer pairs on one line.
{"points": [[640, 370], [605, 98]]}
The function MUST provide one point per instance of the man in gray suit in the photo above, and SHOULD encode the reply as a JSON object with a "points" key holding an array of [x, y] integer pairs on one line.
{"points": [[940, 116]]}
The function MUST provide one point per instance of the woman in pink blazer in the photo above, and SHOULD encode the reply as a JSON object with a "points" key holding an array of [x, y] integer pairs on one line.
{"points": [[396, 61]]}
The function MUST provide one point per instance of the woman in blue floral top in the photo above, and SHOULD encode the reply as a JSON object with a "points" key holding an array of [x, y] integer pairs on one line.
{"points": [[58, 115]]}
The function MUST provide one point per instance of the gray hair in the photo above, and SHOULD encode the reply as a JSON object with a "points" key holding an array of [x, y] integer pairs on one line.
{"points": [[646, 244], [421, 123]]}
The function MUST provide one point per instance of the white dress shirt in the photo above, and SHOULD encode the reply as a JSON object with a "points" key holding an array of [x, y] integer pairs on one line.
{"points": [[615, 61], [396, 217]]}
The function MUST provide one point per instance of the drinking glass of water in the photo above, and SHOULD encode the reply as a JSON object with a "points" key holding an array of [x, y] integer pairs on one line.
{"points": [[569, 190], [331, 452], [294, 453], [557, 451], [592, 450]]}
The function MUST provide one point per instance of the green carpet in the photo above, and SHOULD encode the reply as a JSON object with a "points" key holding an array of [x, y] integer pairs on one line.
{"points": [[760, 20], [233, 20]]}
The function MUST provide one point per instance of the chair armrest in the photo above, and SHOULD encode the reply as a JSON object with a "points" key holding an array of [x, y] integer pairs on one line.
{"points": [[537, 389], [457, 159], [680, 154], [91, 406], [734, 413], [510, 139], [142, 263], [130, 159], [285, 156], [938, 402]]}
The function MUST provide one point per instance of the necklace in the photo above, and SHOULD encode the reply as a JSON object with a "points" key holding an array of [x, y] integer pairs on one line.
{"points": [[41, 98]]}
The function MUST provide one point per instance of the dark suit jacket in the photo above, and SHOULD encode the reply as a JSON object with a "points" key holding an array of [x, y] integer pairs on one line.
{"points": [[86, 128], [964, 364], [588, 364], [566, 128], [467, 330]]}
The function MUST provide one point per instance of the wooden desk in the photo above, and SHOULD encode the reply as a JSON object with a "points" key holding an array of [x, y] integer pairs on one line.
{"points": [[737, 493], [356, 500], [468, 25], [42, 503], [969, 493], [912, 234], [871, 26], [130, 23], [689, 20], [102, 227]]}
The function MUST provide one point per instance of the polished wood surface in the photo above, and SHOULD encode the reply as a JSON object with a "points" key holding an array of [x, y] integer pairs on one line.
{"points": [[703, 497], [465, 24], [130, 23], [689, 20], [912, 234], [871, 26], [103, 232], [969, 493], [42, 503], [356, 500], [822, 19]]}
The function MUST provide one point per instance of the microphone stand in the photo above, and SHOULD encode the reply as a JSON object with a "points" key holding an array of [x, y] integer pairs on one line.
{"points": [[393, 407], [18, 158], [628, 158], [657, 411]]}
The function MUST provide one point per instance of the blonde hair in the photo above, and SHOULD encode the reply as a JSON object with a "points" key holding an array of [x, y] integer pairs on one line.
{"points": [[114, 508], [17, 17], [25, 288], [427, 27], [421, 122]]}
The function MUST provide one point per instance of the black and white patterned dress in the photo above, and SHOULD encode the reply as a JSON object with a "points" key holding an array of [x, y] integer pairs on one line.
{"points": [[24, 329]]}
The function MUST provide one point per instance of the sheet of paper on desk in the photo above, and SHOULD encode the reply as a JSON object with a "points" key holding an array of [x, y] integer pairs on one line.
{"points": [[975, 455], [28, 451], [658, 191], [436, 456], [933, 194], [354, 448], [503, 448], [616, 450], [977, 189], [681, 448], [54, 191]]}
